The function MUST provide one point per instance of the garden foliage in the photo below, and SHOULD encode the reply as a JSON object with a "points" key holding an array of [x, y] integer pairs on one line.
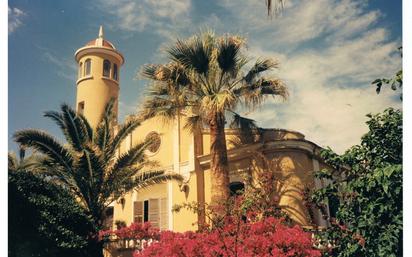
{"points": [[367, 183]]}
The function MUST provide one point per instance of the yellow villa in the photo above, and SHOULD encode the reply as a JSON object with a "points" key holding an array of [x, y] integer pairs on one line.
{"points": [[177, 150]]}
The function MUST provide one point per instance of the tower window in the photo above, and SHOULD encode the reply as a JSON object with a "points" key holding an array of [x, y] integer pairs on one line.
{"points": [[106, 68], [87, 67], [80, 108], [115, 76], [80, 69]]}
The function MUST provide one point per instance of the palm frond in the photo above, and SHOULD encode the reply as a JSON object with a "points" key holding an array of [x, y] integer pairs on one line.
{"points": [[260, 66], [12, 161], [228, 55], [159, 107], [254, 94], [159, 89], [156, 72], [124, 131], [87, 128], [46, 145], [131, 157], [149, 178], [275, 87], [108, 111], [193, 54], [248, 130], [193, 123], [104, 130], [75, 131], [90, 172]]}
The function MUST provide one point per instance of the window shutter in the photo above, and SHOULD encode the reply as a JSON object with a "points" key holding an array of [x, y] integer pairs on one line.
{"points": [[154, 212], [164, 217], [138, 211]]}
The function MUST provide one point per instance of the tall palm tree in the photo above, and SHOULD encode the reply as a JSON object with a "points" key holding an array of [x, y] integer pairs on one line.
{"points": [[88, 164], [205, 81]]}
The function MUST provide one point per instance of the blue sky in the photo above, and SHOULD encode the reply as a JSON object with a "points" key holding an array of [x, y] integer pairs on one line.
{"points": [[329, 53]]}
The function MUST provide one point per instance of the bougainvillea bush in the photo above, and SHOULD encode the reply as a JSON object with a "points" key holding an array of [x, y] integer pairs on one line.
{"points": [[268, 237], [241, 229]]}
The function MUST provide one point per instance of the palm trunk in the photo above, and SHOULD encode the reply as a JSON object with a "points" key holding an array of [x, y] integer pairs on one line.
{"points": [[219, 165]]}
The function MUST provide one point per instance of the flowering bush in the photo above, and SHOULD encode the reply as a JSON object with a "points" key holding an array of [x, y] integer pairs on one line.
{"points": [[269, 237], [236, 237], [136, 231]]}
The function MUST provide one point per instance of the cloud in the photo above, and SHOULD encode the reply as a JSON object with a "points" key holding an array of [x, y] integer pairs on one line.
{"points": [[302, 21], [65, 67], [143, 15], [15, 18], [329, 50]]}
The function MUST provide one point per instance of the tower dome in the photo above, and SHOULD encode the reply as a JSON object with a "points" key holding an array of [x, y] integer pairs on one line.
{"points": [[99, 43], [98, 77]]}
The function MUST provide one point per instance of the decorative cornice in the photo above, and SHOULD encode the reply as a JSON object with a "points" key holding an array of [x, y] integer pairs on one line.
{"points": [[246, 151], [98, 49]]}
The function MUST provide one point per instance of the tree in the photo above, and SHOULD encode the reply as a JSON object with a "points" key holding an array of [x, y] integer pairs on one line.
{"points": [[395, 82], [23, 163], [206, 82], [87, 165], [367, 183], [44, 219]]}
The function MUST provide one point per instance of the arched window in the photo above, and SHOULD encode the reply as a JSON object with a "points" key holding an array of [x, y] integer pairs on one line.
{"points": [[87, 67], [80, 69], [115, 76], [236, 188], [106, 68]]}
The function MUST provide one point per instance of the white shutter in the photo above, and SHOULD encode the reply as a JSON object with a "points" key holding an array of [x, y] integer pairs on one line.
{"points": [[154, 212], [138, 212]]}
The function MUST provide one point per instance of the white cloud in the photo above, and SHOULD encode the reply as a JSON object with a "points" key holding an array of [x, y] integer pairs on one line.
{"points": [[132, 15], [331, 89], [64, 67], [15, 18], [329, 50], [303, 20]]}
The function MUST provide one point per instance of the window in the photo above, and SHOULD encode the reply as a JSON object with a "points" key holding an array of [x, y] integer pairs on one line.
{"points": [[106, 68], [87, 67], [154, 211], [333, 204], [108, 220], [80, 107], [146, 211], [115, 76], [80, 69], [155, 140], [236, 188]]}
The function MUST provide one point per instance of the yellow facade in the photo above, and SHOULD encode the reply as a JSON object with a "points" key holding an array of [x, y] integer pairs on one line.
{"points": [[179, 151]]}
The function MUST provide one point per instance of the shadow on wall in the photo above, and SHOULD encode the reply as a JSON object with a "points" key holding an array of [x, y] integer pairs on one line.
{"points": [[281, 178]]}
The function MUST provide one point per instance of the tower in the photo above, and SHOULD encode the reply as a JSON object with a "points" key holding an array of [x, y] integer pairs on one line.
{"points": [[98, 78]]}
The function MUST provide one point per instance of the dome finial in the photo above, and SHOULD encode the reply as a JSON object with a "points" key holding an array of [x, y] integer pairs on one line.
{"points": [[101, 32]]}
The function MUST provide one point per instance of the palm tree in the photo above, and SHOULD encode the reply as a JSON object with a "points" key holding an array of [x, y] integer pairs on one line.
{"points": [[204, 81], [88, 166], [274, 6], [23, 163]]}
